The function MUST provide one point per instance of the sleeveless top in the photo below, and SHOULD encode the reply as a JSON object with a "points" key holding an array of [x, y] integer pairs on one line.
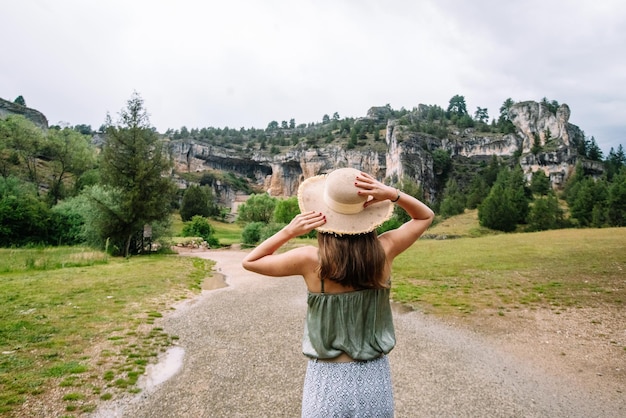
{"points": [[358, 323]]}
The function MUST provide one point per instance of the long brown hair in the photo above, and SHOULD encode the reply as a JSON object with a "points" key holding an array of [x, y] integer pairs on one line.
{"points": [[357, 261]]}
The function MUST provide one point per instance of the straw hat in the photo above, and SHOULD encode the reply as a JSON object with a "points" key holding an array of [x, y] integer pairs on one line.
{"points": [[335, 195]]}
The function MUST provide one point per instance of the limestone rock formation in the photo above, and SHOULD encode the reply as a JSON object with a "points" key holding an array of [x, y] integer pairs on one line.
{"points": [[543, 140], [9, 108]]}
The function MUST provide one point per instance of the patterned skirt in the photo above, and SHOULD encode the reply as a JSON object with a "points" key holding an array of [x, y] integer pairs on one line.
{"points": [[354, 389]]}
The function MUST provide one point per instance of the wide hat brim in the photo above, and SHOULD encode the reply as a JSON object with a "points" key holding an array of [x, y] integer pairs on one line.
{"points": [[311, 198]]}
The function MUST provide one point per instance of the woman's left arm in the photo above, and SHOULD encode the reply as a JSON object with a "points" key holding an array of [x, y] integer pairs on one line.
{"points": [[262, 259]]}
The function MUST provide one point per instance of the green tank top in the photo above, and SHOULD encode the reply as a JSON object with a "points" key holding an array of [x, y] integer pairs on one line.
{"points": [[358, 323]]}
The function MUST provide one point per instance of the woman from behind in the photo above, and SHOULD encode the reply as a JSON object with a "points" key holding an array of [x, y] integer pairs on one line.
{"points": [[348, 330]]}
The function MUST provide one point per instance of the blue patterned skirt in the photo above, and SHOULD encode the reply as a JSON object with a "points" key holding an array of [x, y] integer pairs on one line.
{"points": [[354, 389]]}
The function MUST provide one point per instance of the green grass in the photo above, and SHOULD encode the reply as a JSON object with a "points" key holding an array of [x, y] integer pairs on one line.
{"points": [[46, 258], [554, 269], [226, 233], [85, 325], [464, 225]]}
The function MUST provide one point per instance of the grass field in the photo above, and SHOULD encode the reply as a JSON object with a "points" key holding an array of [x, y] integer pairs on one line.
{"points": [[557, 269], [83, 329]]}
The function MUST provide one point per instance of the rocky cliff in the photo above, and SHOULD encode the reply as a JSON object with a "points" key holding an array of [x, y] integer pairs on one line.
{"points": [[543, 140], [9, 108]]}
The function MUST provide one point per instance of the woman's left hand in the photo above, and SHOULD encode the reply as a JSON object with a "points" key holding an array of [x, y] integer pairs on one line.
{"points": [[304, 223], [378, 191]]}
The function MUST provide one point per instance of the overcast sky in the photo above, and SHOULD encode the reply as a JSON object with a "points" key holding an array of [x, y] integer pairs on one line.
{"points": [[245, 63]]}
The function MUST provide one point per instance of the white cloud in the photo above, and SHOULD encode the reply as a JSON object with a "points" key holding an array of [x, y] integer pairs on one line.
{"points": [[245, 63]]}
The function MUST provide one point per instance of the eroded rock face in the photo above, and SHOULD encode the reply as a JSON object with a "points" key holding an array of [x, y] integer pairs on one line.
{"points": [[544, 140], [9, 108], [534, 120], [548, 140]]}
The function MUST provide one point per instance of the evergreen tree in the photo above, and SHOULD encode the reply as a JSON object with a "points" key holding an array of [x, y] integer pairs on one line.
{"points": [[594, 152], [504, 121], [507, 202], [520, 195], [481, 115], [491, 172], [478, 190], [616, 203], [497, 210], [134, 161], [197, 201], [615, 161], [453, 202], [573, 183], [540, 183], [545, 213], [457, 106], [587, 202]]}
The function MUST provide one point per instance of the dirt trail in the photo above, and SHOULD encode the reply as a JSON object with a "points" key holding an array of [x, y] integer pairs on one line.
{"points": [[242, 359]]}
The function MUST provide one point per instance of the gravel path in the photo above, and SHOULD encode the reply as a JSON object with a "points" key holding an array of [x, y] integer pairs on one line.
{"points": [[242, 359]]}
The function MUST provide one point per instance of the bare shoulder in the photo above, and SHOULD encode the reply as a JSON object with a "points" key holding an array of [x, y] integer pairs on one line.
{"points": [[306, 253]]}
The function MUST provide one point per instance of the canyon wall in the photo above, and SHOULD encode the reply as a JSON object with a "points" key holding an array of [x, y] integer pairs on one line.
{"points": [[542, 141]]}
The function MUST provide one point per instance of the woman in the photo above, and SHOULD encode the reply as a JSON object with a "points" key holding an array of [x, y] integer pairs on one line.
{"points": [[348, 329]]}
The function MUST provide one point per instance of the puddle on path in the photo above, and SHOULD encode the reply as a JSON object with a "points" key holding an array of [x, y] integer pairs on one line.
{"points": [[216, 281], [164, 369]]}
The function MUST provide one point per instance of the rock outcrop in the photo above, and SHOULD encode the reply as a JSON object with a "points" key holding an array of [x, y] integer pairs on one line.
{"points": [[9, 108], [548, 141], [543, 141]]}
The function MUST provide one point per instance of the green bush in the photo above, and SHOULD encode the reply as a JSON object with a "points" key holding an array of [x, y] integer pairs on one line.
{"points": [[258, 208], [545, 214], [251, 234], [23, 217], [286, 210], [388, 225], [200, 227], [270, 229]]}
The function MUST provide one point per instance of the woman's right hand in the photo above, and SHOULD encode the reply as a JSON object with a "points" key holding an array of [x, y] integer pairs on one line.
{"points": [[304, 223]]}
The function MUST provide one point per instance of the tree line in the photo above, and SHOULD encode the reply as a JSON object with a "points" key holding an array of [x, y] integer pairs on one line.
{"points": [[58, 188], [507, 202], [504, 199]]}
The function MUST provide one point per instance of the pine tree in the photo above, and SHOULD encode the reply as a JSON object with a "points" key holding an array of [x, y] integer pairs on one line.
{"points": [[134, 163], [545, 213], [196, 202], [453, 202], [616, 202]]}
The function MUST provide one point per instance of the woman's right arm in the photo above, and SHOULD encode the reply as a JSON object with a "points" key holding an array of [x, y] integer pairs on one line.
{"points": [[398, 240]]}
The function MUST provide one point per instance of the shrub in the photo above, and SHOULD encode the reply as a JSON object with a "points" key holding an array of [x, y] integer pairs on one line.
{"points": [[258, 208], [269, 230], [251, 234], [200, 227]]}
